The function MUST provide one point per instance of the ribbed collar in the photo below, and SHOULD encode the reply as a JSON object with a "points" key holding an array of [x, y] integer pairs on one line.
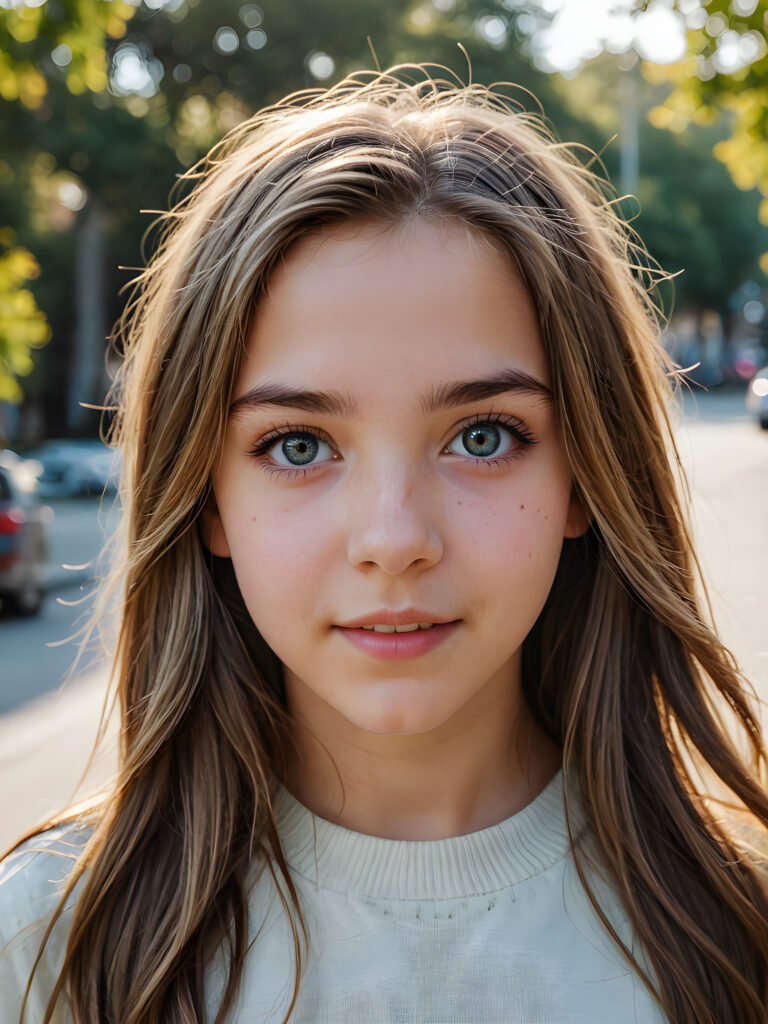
{"points": [[336, 858]]}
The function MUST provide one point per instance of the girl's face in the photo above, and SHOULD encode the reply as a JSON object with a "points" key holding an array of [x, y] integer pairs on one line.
{"points": [[392, 456]]}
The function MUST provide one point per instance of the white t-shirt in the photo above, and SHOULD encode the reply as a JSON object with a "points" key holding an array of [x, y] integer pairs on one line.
{"points": [[493, 927]]}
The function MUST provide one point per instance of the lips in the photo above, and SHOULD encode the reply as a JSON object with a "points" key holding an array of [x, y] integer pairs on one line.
{"points": [[404, 617], [398, 646]]}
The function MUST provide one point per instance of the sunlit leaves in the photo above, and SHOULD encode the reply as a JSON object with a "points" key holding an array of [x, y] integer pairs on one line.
{"points": [[21, 82], [22, 325], [726, 68], [24, 22], [58, 37], [200, 121], [37, 40]]}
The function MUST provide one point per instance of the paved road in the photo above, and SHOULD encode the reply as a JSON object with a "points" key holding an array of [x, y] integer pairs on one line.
{"points": [[36, 653], [47, 728], [726, 459]]}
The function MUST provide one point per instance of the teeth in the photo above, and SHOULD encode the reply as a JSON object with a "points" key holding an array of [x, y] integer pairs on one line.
{"points": [[401, 629]]}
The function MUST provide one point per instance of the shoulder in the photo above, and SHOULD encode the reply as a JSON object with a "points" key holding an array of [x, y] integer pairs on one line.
{"points": [[33, 878]]}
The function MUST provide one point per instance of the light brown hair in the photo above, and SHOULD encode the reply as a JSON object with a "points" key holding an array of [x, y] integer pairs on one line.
{"points": [[622, 667]]}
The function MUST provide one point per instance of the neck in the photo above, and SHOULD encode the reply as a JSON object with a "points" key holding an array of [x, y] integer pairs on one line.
{"points": [[480, 767]]}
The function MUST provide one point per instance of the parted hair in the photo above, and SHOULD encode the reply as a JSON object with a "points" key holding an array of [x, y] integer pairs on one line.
{"points": [[623, 668]]}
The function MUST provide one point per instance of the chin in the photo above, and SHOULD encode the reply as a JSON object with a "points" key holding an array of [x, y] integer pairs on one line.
{"points": [[397, 718]]}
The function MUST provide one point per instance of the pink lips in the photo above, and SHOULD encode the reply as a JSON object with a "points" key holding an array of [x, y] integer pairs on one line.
{"points": [[399, 646]]}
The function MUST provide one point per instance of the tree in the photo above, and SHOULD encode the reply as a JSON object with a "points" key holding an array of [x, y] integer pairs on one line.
{"points": [[22, 325], [679, 212], [36, 41], [725, 68], [37, 38], [179, 73]]}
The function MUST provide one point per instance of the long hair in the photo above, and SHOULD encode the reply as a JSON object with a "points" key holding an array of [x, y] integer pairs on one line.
{"points": [[622, 668]]}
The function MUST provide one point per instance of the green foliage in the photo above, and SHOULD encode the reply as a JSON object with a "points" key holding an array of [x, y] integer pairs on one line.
{"points": [[725, 69], [58, 39], [121, 143], [680, 211], [22, 324], [74, 31]]}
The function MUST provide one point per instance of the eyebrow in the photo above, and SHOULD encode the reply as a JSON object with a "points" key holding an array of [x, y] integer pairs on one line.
{"points": [[445, 396]]}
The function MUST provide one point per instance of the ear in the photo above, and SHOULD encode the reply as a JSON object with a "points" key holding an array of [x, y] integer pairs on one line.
{"points": [[577, 521], [212, 529]]}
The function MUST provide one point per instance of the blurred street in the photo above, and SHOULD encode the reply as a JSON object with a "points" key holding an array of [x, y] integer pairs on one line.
{"points": [[48, 724], [75, 538], [726, 459]]}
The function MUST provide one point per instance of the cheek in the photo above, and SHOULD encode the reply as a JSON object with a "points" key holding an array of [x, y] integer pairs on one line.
{"points": [[511, 548], [281, 558]]}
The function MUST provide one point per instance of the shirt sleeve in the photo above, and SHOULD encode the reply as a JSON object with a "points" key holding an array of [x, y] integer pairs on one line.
{"points": [[32, 882]]}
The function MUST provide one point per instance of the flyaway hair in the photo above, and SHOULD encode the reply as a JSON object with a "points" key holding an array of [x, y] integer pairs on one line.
{"points": [[622, 668]]}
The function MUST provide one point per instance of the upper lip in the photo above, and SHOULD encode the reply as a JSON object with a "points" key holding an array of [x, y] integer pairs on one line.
{"points": [[386, 617]]}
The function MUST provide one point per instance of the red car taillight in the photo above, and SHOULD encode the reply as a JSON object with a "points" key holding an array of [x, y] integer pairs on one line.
{"points": [[11, 520]]}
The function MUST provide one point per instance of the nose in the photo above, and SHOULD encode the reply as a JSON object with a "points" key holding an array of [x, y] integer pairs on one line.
{"points": [[392, 520]]}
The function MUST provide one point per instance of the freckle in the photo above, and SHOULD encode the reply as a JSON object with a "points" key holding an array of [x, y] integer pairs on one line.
{"points": [[522, 507], [458, 502]]}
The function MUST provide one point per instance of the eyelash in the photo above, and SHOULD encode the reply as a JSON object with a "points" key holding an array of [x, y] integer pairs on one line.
{"points": [[514, 426]]}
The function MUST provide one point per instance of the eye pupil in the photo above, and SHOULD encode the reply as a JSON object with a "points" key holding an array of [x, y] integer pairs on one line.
{"points": [[481, 440]]}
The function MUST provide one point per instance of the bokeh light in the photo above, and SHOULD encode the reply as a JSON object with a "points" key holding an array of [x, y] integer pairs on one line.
{"points": [[226, 40], [256, 38], [320, 64], [72, 195], [61, 55], [135, 71], [251, 15]]}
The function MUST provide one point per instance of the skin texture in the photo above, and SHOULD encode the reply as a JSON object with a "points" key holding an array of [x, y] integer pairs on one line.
{"points": [[395, 511]]}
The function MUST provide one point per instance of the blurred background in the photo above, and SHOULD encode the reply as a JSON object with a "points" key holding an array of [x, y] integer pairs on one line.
{"points": [[104, 102]]}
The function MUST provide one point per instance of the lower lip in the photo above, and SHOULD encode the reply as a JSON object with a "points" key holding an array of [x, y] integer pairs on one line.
{"points": [[399, 646]]}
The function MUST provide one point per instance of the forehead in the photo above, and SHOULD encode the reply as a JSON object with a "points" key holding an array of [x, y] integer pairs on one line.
{"points": [[381, 310]]}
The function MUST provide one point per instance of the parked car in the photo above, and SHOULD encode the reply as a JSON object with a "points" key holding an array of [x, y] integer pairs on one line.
{"points": [[23, 535], [76, 469], [757, 397]]}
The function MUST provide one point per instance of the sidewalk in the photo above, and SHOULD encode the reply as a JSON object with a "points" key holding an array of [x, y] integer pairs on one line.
{"points": [[63, 724]]}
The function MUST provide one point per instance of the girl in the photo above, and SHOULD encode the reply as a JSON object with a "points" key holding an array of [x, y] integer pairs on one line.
{"points": [[418, 703]]}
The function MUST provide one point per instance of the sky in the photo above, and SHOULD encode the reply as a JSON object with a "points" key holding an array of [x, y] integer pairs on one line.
{"points": [[565, 34]]}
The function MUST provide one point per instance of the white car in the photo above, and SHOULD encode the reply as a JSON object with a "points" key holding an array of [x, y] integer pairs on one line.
{"points": [[74, 469], [757, 396]]}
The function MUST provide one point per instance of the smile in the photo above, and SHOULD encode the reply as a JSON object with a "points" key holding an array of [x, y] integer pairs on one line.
{"points": [[399, 643], [399, 629]]}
